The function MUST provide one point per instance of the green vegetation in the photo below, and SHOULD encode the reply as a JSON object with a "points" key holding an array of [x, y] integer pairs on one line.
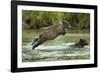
{"points": [[38, 19]]}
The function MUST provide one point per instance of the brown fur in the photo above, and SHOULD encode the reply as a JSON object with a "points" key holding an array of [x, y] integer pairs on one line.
{"points": [[51, 34], [80, 44]]}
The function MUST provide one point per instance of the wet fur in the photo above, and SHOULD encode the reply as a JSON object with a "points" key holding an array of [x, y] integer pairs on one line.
{"points": [[79, 44], [51, 34]]}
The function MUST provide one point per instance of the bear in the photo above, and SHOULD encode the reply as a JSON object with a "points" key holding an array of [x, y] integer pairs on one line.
{"points": [[51, 33], [80, 44]]}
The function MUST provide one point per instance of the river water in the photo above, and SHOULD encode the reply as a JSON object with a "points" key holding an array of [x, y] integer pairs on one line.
{"points": [[54, 52]]}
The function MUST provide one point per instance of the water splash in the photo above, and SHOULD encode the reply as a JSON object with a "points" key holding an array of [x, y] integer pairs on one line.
{"points": [[54, 52], [28, 47]]}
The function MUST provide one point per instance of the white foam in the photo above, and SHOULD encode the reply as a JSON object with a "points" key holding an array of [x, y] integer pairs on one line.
{"points": [[28, 47]]}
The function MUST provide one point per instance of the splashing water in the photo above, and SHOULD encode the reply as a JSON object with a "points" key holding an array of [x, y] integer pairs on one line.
{"points": [[54, 52]]}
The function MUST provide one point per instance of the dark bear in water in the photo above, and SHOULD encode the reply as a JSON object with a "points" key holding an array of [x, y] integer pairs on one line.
{"points": [[51, 34], [79, 44]]}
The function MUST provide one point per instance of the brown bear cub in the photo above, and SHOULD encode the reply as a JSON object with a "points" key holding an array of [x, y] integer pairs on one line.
{"points": [[79, 44]]}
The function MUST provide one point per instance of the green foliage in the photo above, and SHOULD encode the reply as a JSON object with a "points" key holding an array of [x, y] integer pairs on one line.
{"points": [[38, 19], [78, 20]]}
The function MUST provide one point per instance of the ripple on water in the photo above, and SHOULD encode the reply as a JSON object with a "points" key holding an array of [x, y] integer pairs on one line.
{"points": [[56, 52]]}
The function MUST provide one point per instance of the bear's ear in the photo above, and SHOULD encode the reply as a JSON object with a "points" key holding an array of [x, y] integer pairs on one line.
{"points": [[67, 24], [81, 39]]}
